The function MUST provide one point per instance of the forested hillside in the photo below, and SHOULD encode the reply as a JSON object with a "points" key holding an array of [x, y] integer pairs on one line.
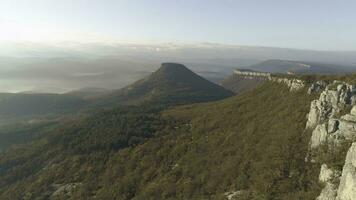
{"points": [[254, 144], [21, 115]]}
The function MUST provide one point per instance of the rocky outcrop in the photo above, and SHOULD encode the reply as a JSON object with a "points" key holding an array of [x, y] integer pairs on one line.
{"points": [[330, 103], [319, 136], [347, 187], [293, 84], [332, 122], [328, 193], [64, 190], [326, 174], [236, 195], [335, 130], [317, 87], [251, 73], [327, 177]]}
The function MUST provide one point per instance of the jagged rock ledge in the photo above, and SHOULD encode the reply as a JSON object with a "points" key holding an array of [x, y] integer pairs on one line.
{"points": [[330, 103], [332, 119]]}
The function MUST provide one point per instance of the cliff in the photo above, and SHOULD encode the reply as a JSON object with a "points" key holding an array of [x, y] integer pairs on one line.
{"points": [[332, 120], [244, 80]]}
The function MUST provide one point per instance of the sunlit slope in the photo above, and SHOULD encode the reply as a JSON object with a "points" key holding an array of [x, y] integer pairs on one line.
{"points": [[253, 143]]}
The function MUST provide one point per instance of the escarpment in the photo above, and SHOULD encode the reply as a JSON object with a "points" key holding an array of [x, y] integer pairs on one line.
{"points": [[249, 75], [332, 120]]}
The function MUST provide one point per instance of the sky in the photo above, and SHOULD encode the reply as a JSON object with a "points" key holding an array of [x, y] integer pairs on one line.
{"points": [[302, 24]]}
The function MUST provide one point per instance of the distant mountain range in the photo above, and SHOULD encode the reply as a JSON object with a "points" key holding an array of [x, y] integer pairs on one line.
{"points": [[58, 68]]}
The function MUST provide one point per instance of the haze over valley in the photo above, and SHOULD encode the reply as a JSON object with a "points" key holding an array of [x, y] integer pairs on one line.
{"points": [[59, 68]]}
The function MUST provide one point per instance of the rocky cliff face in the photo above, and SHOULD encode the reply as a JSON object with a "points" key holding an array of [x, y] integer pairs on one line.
{"points": [[332, 119], [332, 100], [293, 84]]}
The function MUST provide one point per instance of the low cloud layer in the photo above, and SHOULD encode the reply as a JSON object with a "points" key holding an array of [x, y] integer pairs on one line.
{"points": [[62, 66]]}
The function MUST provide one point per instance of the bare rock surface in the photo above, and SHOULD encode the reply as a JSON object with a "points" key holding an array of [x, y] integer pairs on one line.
{"points": [[347, 187], [331, 101]]}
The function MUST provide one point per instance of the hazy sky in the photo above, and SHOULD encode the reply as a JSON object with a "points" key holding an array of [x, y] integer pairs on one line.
{"points": [[311, 24]]}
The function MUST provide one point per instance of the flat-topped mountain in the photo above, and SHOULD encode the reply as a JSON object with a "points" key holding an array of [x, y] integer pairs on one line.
{"points": [[240, 84], [171, 83], [299, 67]]}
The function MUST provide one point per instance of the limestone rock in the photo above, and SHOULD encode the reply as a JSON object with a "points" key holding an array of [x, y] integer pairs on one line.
{"points": [[316, 112], [331, 129], [330, 103], [334, 132], [317, 87], [329, 192], [64, 190], [319, 136], [349, 117], [333, 125], [293, 84], [296, 84], [347, 129], [353, 110], [347, 187], [326, 174], [235, 195]]}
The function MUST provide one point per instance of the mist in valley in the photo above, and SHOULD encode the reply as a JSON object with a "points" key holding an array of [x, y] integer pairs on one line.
{"points": [[67, 66]]}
